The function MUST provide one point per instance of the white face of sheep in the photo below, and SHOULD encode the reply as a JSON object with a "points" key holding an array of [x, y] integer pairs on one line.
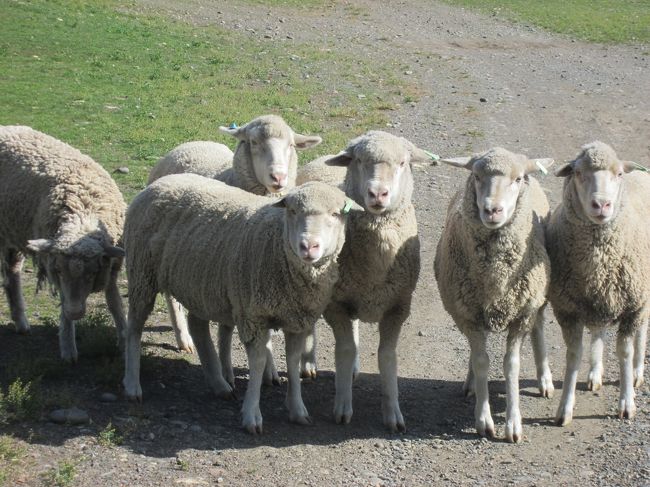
{"points": [[74, 276], [599, 185], [315, 215], [272, 157], [498, 185]]}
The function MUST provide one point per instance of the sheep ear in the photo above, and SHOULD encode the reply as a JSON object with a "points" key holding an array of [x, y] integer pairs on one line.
{"points": [[342, 159], [464, 162], [420, 155], [40, 245], [306, 141], [112, 251], [237, 132], [629, 166], [542, 165], [565, 170]]}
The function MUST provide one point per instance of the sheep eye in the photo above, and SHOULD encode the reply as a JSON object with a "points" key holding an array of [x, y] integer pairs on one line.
{"points": [[402, 163], [620, 174], [518, 179], [476, 177]]}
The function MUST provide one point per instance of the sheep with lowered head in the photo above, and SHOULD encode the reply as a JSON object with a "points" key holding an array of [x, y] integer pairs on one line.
{"points": [[598, 240], [493, 272], [65, 210], [238, 259]]}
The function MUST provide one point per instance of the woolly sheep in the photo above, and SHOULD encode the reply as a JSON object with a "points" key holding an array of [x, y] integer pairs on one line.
{"points": [[239, 259], [61, 207], [493, 273], [598, 240], [264, 163], [379, 263]]}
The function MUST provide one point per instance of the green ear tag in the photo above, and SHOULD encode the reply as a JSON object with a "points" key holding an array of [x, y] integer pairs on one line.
{"points": [[639, 167], [233, 126], [347, 206], [541, 167], [434, 157]]}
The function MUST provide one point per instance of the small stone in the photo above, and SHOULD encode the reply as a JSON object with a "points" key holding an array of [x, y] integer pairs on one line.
{"points": [[108, 397], [408, 72], [421, 333], [482, 100], [220, 480], [361, 96], [69, 416], [122, 170]]}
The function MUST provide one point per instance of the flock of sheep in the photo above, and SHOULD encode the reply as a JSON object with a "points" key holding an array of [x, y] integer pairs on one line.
{"points": [[230, 238]]}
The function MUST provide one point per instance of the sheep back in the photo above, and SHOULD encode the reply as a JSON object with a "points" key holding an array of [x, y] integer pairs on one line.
{"points": [[205, 158]]}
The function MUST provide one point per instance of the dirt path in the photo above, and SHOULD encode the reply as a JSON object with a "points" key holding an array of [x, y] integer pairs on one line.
{"points": [[545, 96]]}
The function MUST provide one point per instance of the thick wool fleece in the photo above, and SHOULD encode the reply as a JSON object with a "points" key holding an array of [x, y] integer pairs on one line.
{"points": [[205, 158], [317, 170], [50, 190], [600, 272], [222, 252], [494, 279]]}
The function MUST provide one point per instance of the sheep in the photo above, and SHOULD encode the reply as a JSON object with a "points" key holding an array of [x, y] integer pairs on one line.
{"points": [[264, 163], [598, 240], [318, 170], [379, 263], [64, 209], [493, 273], [239, 259]]}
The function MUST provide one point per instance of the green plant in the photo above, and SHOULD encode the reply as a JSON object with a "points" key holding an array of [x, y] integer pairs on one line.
{"points": [[181, 464], [21, 402], [62, 475], [109, 436], [11, 454]]}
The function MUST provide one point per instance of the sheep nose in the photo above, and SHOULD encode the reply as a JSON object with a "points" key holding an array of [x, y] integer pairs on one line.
{"points": [[493, 211], [378, 195], [279, 179], [601, 205], [309, 248]]}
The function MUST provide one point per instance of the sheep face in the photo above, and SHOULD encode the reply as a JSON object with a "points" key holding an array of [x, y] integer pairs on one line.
{"points": [[498, 177], [597, 176], [379, 170], [271, 145], [315, 215]]}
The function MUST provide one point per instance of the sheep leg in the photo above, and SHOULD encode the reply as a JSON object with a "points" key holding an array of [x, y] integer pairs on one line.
{"points": [[595, 378], [625, 352], [115, 307], [251, 415], [469, 387], [480, 367], [356, 369], [67, 342], [200, 332], [345, 350], [573, 340], [12, 264], [308, 368], [139, 310], [639, 353], [225, 352], [544, 376], [295, 345], [179, 324], [511, 372], [389, 329], [271, 376]]}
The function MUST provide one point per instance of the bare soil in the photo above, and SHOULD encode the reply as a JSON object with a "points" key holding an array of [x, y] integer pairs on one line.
{"points": [[545, 95]]}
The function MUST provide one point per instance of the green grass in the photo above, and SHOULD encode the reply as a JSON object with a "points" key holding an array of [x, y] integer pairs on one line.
{"points": [[126, 88], [11, 457], [607, 21], [62, 475], [109, 437], [21, 401]]}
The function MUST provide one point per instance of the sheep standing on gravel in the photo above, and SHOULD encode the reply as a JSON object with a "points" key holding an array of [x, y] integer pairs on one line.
{"points": [[61, 207], [493, 273], [264, 163], [598, 240], [380, 262], [239, 259]]}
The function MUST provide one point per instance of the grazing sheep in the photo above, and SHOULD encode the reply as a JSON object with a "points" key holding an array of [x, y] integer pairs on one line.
{"points": [[493, 273], [61, 207], [264, 163], [379, 263], [239, 259], [598, 240]]}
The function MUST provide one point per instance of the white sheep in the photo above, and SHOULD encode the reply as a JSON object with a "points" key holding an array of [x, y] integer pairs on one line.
{"points": [[238, 259], [264, 163], [380, 262], [65, 210], [493, 273], [598, 240]]}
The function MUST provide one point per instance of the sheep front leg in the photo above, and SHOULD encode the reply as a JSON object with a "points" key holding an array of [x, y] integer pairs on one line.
{"points": [[224, 341], [295, 346], [140, 306], [469, 389], [511, 372], [308, 368], [389, 329], [271, 376], [544, 376], [345, 351], [115, 307], [179, 324], [251, 415], [12, 264], [595, 378], [625, 352], [356, 369], [480, 367], [67, 341], [200, 332], [639, 352], [573, 340]]}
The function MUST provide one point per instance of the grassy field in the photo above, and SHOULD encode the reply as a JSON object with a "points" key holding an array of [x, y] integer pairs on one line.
{"points": [[608, 21], [127, 88]]}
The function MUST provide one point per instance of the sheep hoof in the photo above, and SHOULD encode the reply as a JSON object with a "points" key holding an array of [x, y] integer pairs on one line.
{"points": [[303, 420], [253, 423], [546, 388], [188, 348], [638, 379], [627, 409], [343, 417], [468, 391], [24, 329], [563, 420], [308, 371], [271, 380]]}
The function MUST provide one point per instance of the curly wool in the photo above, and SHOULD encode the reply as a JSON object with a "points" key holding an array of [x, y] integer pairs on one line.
{"points": [[494, 279], [222, 253]]}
